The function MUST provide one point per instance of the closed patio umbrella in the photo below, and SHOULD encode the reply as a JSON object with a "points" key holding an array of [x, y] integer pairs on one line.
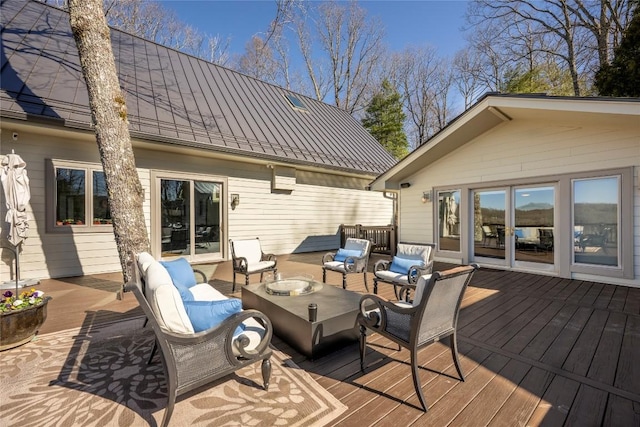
{"points": [[15, 183]]}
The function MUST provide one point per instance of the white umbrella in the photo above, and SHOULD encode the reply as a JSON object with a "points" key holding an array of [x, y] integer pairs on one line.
{"points": [[16, 193], [15, 183]]}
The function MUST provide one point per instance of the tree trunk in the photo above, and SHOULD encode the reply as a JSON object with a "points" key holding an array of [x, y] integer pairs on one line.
{"points": [[109, 114]]}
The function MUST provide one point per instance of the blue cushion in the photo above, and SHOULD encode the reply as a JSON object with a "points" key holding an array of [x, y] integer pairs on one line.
{"points": [[182, 276], [342, 254], [402, 265], [207, 314]]}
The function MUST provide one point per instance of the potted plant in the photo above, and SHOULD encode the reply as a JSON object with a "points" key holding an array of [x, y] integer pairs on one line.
{"points": [[21, 316]]}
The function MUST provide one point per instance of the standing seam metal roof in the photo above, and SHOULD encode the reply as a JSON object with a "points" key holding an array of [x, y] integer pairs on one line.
{"points": [[173, 97]]}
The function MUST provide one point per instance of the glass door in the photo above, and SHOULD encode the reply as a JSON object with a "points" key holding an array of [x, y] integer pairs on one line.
{"points": [[490, 222], [515, 227]]}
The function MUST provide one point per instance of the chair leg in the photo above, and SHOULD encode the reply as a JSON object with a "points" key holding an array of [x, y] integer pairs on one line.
{"points": [[324, 276], [416, 378], [266, 372], [454, 352], [169, 410], [366, 286], [363, 345], [246, 279], [375, 286], [153, 351], [344, 281], [233, 289]]}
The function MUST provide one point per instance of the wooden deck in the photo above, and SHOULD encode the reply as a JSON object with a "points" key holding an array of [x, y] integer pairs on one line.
{"points": [[536, 350]]}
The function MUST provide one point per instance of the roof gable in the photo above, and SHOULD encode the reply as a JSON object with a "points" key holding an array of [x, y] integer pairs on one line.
{"points": [[174, 98]]}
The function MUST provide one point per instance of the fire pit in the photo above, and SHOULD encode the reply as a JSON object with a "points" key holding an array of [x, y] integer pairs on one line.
{"points": [[300, 284]]}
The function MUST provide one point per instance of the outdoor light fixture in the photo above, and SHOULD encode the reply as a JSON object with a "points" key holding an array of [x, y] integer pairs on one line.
{"points": [[405, 185], [235, 200], [426, 196]]}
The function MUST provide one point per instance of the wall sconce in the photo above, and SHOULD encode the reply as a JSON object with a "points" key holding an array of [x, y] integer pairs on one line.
{"points": [[405, 185], [426, 196], [235, 201]]}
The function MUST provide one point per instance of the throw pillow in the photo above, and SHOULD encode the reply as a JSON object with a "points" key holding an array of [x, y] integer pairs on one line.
{"points": [[182, 276], [205, 315], [402, 265], [342, 254]]}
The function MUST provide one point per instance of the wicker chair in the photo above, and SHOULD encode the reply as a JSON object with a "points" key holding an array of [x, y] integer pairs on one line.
{"points": [[248, 258], [412, 260], [430, 317], [353, 258], [192, 360]]}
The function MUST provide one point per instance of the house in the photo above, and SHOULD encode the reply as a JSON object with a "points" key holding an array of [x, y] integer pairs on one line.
{"points": [[549, 185], [220, 155]]}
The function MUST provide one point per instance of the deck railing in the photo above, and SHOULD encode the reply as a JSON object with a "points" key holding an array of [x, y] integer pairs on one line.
{"points": [[382, 237]]}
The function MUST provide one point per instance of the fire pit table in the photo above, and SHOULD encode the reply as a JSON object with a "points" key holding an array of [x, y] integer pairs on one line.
{"points": [[286, 303]]}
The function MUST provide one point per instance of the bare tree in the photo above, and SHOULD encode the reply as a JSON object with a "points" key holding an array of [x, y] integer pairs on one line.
{"points": [[581, 34], [466, 67], [109, 116], [257, 61]]}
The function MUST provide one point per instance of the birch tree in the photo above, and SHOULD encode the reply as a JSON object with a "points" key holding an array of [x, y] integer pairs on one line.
{"points": [[109, 117]]}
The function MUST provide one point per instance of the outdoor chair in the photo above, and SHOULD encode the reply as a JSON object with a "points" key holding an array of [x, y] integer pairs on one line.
{"points": [[430, 317], [248, 258], [488, 234], [411, 261], [194, 359], [353, 258]]}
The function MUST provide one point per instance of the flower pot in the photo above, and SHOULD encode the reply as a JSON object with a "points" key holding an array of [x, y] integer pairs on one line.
{"points": [[21, 326]]}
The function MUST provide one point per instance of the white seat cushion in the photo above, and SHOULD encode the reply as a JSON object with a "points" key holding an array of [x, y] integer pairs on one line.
{"points": [[145, 259], [335, 265], [390, 276], [260, 265]]}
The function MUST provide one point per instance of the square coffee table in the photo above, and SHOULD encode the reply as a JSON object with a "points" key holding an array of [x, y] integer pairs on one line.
{"points": [[335, 324]]}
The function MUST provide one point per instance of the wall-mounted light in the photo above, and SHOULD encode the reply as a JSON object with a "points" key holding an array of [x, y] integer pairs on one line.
{"points": [[405, 185], [426, 196], [235, 201]]}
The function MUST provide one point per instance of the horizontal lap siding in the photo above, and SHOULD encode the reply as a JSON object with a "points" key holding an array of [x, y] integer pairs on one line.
{"points": [[305, 220], [521, 149]]}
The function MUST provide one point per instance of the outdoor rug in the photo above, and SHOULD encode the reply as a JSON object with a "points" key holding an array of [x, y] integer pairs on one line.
{"points": [[99, 377]]}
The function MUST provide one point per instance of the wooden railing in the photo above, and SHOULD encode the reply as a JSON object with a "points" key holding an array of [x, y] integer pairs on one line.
{"points": [[384, 238]]}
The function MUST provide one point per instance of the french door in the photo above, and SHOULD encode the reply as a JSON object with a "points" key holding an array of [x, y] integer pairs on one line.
{"points": [[515, 226]]}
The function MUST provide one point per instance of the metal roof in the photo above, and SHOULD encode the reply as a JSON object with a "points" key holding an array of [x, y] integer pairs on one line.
{"points": [[173, 97]]}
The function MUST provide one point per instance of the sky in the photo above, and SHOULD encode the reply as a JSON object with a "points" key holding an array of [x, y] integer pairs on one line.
{"points": [[407, 23]]}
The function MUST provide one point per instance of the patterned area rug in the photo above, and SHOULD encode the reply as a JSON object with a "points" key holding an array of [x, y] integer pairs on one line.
{"points": [[99, 377]]}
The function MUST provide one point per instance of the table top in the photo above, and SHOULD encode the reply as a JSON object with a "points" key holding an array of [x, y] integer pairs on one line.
{"points": [[331, 300]]}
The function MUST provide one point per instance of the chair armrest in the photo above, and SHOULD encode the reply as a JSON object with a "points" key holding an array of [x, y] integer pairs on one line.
{"points": [[269, 257], [200, 272], [240, 263], [380, 265], [328, 257], [415, 271], [223, 332], [404, 294], [354, 264], [373, 311]]}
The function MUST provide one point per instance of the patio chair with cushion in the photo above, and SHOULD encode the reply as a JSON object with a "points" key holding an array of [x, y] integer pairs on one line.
{"points": [[430, 317], [411, 261], [353, 258], [248, 258], [202, 335]]}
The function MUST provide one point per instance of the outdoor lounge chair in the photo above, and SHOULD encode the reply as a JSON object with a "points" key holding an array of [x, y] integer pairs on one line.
{"points": [[412, 260], [488, 234], [248, 258], [430, 317], [194, 359], [353, 258]]}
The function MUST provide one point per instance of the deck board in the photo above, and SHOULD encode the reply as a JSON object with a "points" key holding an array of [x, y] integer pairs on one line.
{"points": [[535, 349]]}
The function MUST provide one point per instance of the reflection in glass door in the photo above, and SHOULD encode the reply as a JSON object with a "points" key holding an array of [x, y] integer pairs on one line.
{"points": [[534, 224], [515, 226], [489, 222]]}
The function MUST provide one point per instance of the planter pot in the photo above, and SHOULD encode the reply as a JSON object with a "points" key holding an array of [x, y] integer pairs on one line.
{"points": [[20, 327]]}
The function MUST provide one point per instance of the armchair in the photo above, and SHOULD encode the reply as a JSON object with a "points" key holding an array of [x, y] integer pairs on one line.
{"points": [[412, 260], [193, 359], [248, 258], [430, 317], [353, 258]]}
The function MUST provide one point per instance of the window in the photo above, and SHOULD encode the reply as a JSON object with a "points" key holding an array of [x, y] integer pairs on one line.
{"points": [[78, 198], [596, 213], [449, 220], [189, 216], [296, 102]]}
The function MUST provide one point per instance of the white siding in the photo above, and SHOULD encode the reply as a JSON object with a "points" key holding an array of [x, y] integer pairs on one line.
{"points": [[524, 149], [306, 219]]}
